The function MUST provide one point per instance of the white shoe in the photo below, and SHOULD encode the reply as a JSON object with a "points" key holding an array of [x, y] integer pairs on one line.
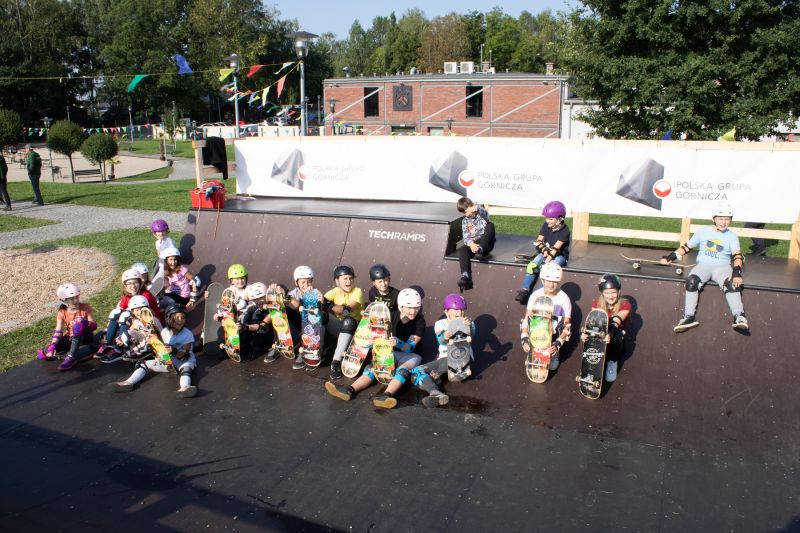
{"points": [[611, 371], [553, 363]]}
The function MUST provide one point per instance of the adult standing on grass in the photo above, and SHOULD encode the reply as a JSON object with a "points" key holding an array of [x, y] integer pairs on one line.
{"points": [[4, 197], [34, 164]]}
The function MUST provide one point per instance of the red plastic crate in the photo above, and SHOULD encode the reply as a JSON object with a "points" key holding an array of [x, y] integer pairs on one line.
{"points": [[215, 201]]}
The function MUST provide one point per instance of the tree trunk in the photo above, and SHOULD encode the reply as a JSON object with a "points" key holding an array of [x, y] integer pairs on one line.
{"points": [[71, 168]]}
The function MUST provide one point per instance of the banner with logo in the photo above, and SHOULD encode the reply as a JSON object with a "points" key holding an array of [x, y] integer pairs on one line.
{"points": [[641, 178]]}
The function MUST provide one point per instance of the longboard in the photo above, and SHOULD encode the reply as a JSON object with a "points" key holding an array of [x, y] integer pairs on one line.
{"points": [[280, 323], [459, 351], [537, 363], [637, 263], [593, 361], [383, 360], [311, 324], [227, 308], [213, 335], [374, 324]]}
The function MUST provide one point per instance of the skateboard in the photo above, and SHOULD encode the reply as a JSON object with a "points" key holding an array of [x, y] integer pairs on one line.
{"points": [[374, 325], [537, 362], [459, 351], [383, 360], [280, 323], [227, 308], [153, 340], [311, 325], [523, 258], [213, 335], [637, 263], [593, 361]]}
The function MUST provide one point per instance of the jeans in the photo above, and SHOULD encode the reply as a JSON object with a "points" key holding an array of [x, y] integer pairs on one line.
{"points": [[486, 242], [532, 272], [37, 194]]}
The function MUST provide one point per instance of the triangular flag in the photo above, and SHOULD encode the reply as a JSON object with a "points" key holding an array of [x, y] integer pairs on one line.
{"points": [[667, 136], [283, 67], [224, 73], [183, 65], [264, 97], [280, 85], [135, 81], [252, 97], [232, 98], [273, 107], [254, 69], [728, 136]]}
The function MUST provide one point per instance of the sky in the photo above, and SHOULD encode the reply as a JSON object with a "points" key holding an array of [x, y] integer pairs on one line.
{"points": [[320, 16]]}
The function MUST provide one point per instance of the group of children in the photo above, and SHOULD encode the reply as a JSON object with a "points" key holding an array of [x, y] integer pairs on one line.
{"points": [[151, 331]]}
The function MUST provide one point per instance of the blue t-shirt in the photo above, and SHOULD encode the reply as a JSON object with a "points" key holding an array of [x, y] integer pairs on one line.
{"points": [[714, 247]]}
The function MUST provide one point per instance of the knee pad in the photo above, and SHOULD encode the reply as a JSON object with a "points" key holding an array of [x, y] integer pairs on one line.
{"points": [[369, 373], [349, 325], [113, 316], [418, 376], [693, 283], [124, 316], [186, 371], [402, 374], [142, 365], [728, 287]]}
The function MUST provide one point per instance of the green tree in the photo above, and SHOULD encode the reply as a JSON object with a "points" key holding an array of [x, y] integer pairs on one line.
{"points": [[697, 68], [444, 39], [65, 138], [10, 128], [476, 31], [404, 41], [503, 35], [99, 148]]}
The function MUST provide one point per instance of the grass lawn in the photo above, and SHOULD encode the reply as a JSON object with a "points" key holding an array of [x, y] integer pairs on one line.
{"points": [[13, 223], [183, 148], [126, 246], [157, 174]]}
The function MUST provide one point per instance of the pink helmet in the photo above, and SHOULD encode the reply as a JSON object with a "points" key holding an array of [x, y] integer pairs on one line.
{"points": [[67, 290], [554, 209], [454, 301], [409, 298], [159, 225]]}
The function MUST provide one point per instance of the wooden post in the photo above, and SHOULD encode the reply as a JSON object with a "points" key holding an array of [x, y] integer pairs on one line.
{"points": [[580, 226], [686, 230], [794, 241], [198, 160]]}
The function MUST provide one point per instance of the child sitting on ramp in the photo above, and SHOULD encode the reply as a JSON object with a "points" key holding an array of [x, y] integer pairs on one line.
{"points": [[75, 327], [552, 244], [478, 234]]}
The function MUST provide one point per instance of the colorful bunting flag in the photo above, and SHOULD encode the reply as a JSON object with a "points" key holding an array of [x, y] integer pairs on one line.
{"points": [[284, 66], [667, 136], [253, 70], [183, 65], [280, 85], [135, 81], [224, 73], [264, 97], [728, 136]]}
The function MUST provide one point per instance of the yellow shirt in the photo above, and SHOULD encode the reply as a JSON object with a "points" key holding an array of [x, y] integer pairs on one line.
{"points": [[339, 297]]}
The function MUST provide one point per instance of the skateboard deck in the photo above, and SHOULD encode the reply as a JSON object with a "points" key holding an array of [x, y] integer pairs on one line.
{"points": [[593, 361], [383, 360], [153, 340], [537, 362], [280, 323], [522, 258], [227, 308], [213, 335], [311, 324], [157, 283], [459, 351], [374, 324], [637, 263]]}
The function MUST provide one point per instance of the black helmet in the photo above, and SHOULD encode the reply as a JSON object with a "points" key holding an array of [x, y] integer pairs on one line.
{"points": [[378, 271], [343, 270], [609, 281], [173, 309]]}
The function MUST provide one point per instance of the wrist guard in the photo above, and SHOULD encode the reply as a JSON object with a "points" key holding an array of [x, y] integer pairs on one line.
{"points": [[56, 337], [737, 272], [672, 256]]}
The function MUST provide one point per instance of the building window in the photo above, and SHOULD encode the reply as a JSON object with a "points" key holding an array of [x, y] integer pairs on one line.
{"points": [[435, 131], [474, 101], [371, 102], [404, 130]]}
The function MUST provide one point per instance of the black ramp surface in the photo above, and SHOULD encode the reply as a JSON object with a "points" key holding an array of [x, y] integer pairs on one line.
{"points": [[698, 433]]}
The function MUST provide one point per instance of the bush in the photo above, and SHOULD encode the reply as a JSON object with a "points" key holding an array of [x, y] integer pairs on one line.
{"points": [[65, 138], [10, 128], [99, 148]]}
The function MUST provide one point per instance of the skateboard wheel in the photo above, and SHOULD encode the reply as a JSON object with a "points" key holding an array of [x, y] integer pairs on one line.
{"points": [[636, 265], [577, 379], [679, 271]]}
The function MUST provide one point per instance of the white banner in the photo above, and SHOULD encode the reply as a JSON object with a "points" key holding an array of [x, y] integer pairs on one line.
{"points": [[643, 178]]}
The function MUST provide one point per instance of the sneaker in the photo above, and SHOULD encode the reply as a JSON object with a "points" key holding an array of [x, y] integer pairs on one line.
{"points": [[611, 371], [7, 208], [385, 401], [740, 322], [298, 364], [465, 283], [67, 363], [553, 363], [122, 386], [188, 392], [522, 296], [112, 356], [101, 351], [436, 399], [687, 322], [336, 370], [338, 391], [271, 355], [45, 356]]}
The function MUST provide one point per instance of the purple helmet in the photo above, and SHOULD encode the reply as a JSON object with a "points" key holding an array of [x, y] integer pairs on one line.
{"points": [[454, 301], [554, 209], [159, 225]]}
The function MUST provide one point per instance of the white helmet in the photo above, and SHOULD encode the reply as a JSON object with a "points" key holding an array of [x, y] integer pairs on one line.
{"points": [[141, 268], [131, 274], [256, 290], [409, 298], [551, 272], [67, 290], [169, 251], [303, 272], [722, 210], [138, 301]]}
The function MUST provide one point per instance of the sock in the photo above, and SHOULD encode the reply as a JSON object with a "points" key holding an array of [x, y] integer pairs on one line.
{"points": [[137, 376], [186, 381], [341, 345], [351, 390]]}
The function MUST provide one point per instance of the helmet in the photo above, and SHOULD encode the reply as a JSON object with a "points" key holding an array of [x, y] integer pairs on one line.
{"points": [[378, 272], [409, 298], [303, 272], [343, 270], [554, 209], [722, 210], [237, 271], [173, 309], [138, 301], [609, 281], [67, 290], [454, 301], [131, 274], [159, 225], [256, 290], [141, 268], [551, 272], [169, 251]]}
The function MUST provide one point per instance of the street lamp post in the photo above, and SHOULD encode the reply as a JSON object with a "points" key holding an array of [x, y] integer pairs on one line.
{"points": [[449, 125], [301, 39], [47, 122], [319, 112], [332, 102], [130, 125], [234, 63]]}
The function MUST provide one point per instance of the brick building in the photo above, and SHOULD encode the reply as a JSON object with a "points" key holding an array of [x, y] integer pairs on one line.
{"points": [[475, 104]]}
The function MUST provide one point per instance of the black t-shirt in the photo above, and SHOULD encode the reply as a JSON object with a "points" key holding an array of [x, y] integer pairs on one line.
{"points": [[404, 331], [561, 234], [390, 299]]}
